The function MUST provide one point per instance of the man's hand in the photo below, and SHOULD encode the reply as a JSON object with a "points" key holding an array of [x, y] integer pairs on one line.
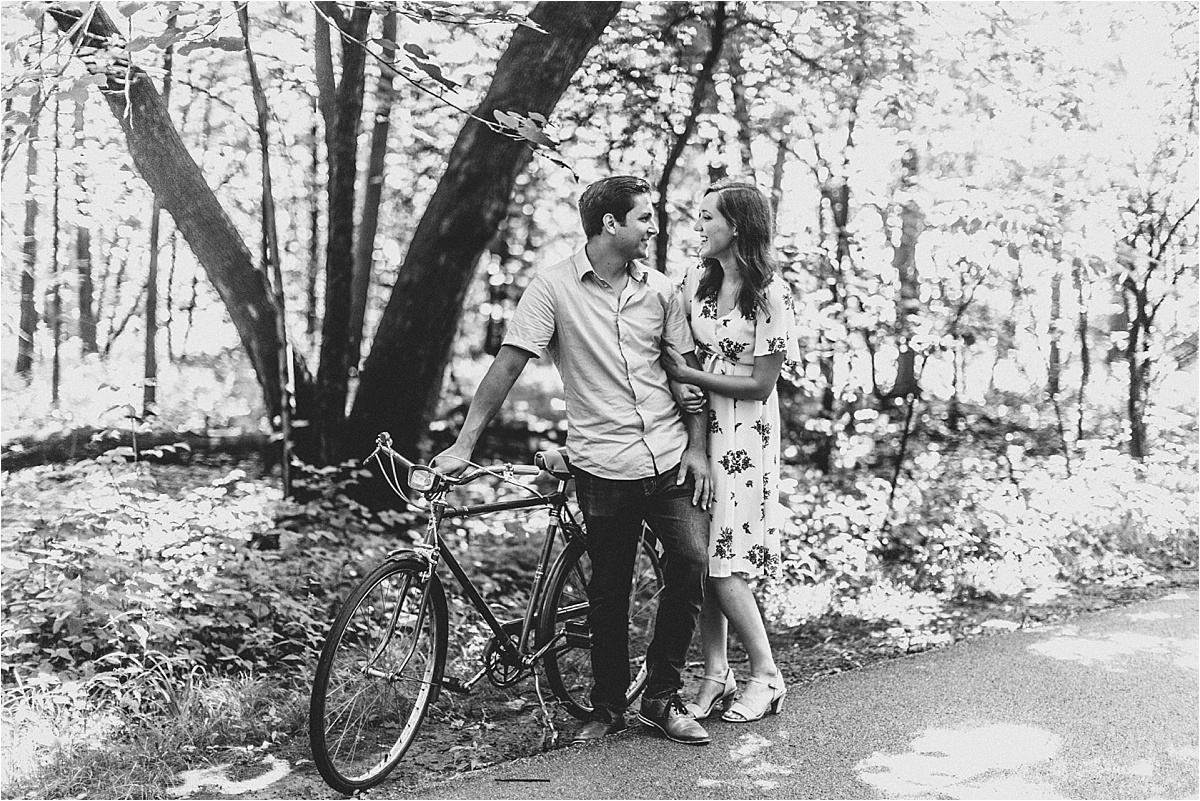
{"points": [[453, 461], [695, 463], [689, 396]]}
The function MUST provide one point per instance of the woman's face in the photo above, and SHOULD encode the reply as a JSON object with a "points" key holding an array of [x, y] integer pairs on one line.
{"points": [[717, 234]]}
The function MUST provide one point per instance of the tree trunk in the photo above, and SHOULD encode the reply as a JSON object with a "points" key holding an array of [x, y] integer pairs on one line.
{"points": [[836, 193], [314, 239], [741, 108], [1137, 358], [781, 151], [904, 261], [271, 265], [372, 194], [1007, 335], [704, 82], [341, 142], [150, 362], [402, 375], [1078, 276], [54, 302], [83, 256], [1054, 366], [29, 320], [164, 163]]}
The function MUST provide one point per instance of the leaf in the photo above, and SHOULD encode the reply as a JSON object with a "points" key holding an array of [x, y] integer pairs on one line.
{"points": [[524, 128], [229, 43], [428, 67]]}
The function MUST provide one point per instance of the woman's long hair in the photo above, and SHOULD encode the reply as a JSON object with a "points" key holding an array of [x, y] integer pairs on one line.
{"points": [[747, 209]]}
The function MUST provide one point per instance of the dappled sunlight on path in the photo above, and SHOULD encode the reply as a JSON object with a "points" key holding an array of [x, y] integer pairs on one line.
{"points": [[217, 778], [752, 770], [1117, 652], [977, 762]]}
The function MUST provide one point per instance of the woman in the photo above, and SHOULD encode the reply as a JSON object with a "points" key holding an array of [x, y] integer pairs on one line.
{"points": [[741, 316]]}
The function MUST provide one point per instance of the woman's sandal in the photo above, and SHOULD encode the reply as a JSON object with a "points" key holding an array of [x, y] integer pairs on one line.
{"points": [[723, 700], [740, 713]]}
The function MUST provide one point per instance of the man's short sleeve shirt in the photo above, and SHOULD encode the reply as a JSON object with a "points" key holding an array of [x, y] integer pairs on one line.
{"points": [[622, 421]]}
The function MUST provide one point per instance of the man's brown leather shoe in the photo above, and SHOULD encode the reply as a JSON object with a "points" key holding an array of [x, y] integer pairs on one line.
{"points": [[595, 729], [671, 717]]}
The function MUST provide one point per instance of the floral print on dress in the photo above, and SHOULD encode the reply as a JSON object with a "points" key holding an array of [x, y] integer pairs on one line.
{"points": [[724, 547], [743, 435], [764, 431], [761, 557], [735, 462], [731, 349]]}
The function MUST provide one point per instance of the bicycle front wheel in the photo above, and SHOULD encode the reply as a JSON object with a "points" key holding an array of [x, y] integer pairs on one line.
{"points": [[567, 664], [380, 669]]}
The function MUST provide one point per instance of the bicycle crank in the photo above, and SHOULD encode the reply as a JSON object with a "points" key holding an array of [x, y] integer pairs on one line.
{"points": [[500, 669]]}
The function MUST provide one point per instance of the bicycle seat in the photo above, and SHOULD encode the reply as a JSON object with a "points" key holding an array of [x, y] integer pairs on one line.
{"points": [[554, 462]]}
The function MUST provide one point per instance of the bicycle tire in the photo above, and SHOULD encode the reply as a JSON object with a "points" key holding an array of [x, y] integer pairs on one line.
{"points": [[380, 669], [567, 664]]}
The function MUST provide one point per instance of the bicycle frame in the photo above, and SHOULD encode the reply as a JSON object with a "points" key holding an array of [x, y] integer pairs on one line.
{"points": [[515, 651]]}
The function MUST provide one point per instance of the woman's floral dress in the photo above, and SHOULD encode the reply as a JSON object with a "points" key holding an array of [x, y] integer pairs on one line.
{"points": [[743, 435]]}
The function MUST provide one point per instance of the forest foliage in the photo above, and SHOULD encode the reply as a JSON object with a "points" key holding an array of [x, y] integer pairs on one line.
{"points": [[986, 212]]}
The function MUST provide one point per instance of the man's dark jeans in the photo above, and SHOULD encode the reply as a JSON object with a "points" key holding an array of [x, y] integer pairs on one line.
{"points": [[614, 511]]}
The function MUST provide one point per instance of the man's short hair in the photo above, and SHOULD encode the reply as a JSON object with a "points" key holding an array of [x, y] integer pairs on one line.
{"points": [[614, 195]]}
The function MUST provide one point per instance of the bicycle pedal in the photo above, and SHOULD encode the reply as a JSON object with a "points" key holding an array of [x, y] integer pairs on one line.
{"points": [[455, 685], [578, 635]]}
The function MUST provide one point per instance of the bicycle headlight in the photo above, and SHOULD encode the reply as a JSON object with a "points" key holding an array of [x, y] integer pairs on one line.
{"points": [[421, 479]]}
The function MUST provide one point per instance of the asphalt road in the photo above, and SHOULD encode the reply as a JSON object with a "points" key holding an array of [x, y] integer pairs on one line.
{"points": [[1102, 706]]}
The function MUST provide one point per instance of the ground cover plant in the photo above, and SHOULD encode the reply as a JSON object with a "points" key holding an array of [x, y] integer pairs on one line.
{"points": [[158, 617]]}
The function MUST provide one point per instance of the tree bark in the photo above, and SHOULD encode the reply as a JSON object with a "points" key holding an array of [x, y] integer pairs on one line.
{"points": [[904, 260], [271, 265], [164, 163], [1078, 276], [83, 257], [402, 376], [314, 239], [741, 108], [372, 195], [341, 142], [150, 362], [54, 302], [29, 319], [704, 82]]}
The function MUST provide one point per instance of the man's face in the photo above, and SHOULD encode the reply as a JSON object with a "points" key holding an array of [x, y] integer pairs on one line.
{"points": [[635, 233]]}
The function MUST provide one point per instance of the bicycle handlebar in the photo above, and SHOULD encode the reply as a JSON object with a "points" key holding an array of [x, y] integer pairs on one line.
{"points": [[438, 480]]}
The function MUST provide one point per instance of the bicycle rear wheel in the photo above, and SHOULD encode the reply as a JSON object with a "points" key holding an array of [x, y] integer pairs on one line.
{"points": [[380, 669], [563, 619]]}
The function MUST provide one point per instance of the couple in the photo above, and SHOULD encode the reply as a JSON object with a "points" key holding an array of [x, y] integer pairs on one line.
{"points": [[620, 337]]}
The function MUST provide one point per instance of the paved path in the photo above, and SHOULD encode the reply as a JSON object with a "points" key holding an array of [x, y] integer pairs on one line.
{"points": [[1102, 706]]}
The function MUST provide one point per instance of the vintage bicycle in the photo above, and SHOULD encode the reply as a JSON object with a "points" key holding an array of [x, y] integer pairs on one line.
{"points": [[383, 662]]}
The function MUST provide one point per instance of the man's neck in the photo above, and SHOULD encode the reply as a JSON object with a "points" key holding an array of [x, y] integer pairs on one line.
{"points": [[608, 265]]}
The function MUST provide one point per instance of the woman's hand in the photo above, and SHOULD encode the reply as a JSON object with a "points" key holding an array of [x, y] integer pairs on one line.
{"points": [[689, 396]]}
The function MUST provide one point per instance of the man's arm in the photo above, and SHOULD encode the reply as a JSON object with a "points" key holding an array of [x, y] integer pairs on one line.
{"points": [[489, 397], [695, 457]]}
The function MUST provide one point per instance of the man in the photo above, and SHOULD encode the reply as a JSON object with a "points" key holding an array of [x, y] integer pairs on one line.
{"points": [[635, 456]]}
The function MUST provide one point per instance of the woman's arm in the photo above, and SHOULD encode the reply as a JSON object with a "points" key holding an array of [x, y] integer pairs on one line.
{"points": [[757, 386]]}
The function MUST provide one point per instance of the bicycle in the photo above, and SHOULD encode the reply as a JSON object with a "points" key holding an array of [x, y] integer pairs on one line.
{"points": [[382, 664]]}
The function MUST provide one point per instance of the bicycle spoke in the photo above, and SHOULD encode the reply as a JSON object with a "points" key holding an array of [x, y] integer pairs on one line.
{"points": [[376, 677]]}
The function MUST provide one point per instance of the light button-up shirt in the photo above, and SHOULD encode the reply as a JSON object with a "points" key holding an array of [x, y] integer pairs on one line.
{"points": [[622, 421]]}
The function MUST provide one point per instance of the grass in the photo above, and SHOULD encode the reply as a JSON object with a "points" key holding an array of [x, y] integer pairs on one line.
{"points": [[66, 732], [57, 753]]}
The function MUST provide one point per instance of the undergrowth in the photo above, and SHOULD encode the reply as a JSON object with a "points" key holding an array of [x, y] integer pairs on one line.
{"points": [[155, 615]]}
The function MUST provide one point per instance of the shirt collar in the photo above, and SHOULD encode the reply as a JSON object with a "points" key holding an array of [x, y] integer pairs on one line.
{"points": [[583, 266]]}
